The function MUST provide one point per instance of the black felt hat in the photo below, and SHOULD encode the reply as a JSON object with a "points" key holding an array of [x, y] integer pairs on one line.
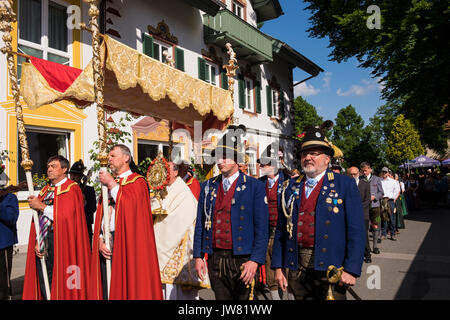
{"points": [[230, 146], [78, 168], [315, 138]]}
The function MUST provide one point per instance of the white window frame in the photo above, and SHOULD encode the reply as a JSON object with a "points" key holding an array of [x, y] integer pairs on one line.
{"points": [[237, 9], [161, 145], [43, 46], [275, 103], [251, 153], [249, 95], [162, 44], [210, 65]]}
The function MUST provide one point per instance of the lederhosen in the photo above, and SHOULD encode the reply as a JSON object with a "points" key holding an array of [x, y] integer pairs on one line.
{"points": [[272, 200]]}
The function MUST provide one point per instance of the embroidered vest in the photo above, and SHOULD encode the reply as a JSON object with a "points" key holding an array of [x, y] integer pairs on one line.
{"points": [[222, 218], [306, 217], [272, 201]]}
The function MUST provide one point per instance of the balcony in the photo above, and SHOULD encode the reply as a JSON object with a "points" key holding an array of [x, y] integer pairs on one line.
{"points": [[248, 42]]}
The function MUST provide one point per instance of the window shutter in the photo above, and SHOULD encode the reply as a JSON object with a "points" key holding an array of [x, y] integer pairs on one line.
{"points": [[224, 80], [179, 59], [258, 97], [269, 100], [147, 45], [201, 69], [241, 86]]}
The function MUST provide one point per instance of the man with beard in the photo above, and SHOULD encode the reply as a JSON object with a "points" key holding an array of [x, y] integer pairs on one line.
{"points": [[321, 225], [134, 260]]}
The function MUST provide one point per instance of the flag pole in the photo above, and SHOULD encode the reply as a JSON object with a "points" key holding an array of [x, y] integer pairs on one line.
{"points": [[101, 120], [7, 17]]}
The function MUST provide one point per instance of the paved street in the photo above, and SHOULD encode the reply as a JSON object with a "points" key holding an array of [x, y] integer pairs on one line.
{"points": [[416, 266]]}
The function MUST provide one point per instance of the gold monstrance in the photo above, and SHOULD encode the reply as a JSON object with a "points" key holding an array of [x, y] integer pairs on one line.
{"points": [[158, 179]]}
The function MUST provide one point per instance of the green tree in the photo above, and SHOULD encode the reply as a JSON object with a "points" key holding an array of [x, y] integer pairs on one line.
{"points": [[403, 142], [409, 53], [348, 133], [305, 115]]}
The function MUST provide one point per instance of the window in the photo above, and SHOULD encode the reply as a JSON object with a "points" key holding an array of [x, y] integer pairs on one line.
{"points": [[238, 10], [248, 95], [150, 149], [275, 103], [43, 31], [42, 145], [159, 48], [251, 154], [211, 75]]}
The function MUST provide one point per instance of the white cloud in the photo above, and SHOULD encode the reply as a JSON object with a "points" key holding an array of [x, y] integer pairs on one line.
{"points": [[305, 90], [326, 79], [361, 90]]}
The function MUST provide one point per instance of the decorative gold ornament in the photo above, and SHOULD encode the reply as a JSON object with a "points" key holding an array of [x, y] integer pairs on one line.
{"points": [[158, 179], [333, 276], [231, 68]]}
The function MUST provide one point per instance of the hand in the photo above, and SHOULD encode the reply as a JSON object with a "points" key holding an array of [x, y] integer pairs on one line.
{"points": [[249, 271], [38, 252], [347, 279], [107, 179], [200, 267], [281, 279], [103, 250], [35, 203]]}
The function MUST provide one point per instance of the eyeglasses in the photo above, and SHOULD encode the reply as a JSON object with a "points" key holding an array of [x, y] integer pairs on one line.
{"points": [[313, 154]]}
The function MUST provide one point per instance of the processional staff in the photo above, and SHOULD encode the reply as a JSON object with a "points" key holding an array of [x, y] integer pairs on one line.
{"points": [[101, 120], [7, 17]]}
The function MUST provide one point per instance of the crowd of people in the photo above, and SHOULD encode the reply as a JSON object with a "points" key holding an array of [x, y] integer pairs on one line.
{"points": [[275, 237]]}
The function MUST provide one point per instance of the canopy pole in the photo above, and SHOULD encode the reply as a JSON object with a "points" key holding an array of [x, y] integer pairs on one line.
{"points": [[7, 17], [101, 121], [231, 68]]}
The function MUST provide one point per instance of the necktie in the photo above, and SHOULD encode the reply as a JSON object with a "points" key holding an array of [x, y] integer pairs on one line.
{"points": [[44, 223], [226, 185], [310, 184]]}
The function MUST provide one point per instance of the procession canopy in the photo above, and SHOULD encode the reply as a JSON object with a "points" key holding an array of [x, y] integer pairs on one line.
{"points": [[133, 82]]}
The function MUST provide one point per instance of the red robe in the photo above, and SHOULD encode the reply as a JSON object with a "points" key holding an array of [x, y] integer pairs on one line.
{"points": [[194, 185], [71, 248], [135, 269]]}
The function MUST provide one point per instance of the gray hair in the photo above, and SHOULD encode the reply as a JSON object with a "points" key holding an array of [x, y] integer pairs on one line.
{"points": [[364, 165], [124, 149]]}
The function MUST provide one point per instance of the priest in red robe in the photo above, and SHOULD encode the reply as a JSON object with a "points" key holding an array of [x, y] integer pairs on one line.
{"points": [[186, 172], [63, 239], [134, 267]]}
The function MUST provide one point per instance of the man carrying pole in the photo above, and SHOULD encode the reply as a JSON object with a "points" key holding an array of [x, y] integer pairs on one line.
{"points": [[63, 240], [134, 270]]}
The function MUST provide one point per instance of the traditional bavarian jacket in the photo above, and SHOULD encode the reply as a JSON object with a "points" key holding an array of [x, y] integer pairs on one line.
{"points": [[249, 217], [339, 225]]}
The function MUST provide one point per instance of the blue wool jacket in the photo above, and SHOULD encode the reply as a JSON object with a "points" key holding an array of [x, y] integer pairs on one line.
{"points": [[9, 213], [249, 218], [339, 226]]}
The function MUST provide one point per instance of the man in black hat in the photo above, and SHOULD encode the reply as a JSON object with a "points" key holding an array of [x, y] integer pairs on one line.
{"points": [[76, 173], [273, 174], [321, 224], [232, 223]]}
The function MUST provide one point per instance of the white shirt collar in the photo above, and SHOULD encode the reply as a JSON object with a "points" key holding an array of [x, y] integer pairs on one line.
{"points": [[232, 178], [61, 182], [317, 178], [125, 174]]}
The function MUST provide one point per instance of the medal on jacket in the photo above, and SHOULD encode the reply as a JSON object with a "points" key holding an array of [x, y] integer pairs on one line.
{"points": [[207, 215]]}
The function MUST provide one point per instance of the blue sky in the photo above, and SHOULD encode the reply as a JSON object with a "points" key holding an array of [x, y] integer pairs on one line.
{"points": [[340, 84]]}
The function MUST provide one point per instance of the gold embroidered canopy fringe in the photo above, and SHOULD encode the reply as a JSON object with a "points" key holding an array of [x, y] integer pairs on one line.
{"points": [[135, 83]]}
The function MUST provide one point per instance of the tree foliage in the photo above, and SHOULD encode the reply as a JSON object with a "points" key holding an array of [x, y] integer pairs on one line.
{"points": [[409, 53], [404, 142], [305, 115]]}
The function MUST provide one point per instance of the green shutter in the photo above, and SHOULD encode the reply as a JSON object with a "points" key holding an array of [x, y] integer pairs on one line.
{"points": [[241, 86], [179, 58], [224, 80], [147, 45], [201, 69], [258, 97], [269, 100]]}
